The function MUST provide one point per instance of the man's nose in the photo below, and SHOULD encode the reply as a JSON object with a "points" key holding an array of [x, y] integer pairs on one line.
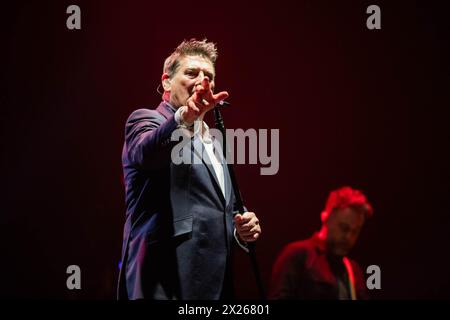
{"points": [[201, 76]]}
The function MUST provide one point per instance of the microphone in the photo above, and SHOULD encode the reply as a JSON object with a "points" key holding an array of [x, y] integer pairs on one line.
{"points": [[223, 104]]}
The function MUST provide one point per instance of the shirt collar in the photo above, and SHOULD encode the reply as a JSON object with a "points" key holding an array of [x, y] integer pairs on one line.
{"points": [[206, 137]]}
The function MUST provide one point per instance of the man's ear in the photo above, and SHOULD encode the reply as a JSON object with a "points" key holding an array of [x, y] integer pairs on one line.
{"points": [[165, 79]]}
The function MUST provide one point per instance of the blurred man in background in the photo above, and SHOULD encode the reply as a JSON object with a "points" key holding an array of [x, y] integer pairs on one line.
{"points": [[318, 268]]}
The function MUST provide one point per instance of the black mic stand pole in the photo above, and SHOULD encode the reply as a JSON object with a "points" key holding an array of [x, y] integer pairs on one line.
{"points": [[239, 203]]}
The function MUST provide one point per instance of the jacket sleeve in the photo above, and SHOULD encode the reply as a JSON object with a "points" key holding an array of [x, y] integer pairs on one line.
{"points": [[148, 138]]}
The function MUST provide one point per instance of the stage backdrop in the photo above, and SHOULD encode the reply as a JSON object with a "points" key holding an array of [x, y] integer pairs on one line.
{"points": [[359, 107]]}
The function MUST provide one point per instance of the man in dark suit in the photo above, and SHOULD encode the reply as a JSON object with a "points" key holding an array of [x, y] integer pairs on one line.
{"points": [[318, 268], [180, 228]]}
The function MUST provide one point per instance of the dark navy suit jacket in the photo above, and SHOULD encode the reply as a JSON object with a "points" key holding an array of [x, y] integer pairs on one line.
{"points": [[179, 226]]}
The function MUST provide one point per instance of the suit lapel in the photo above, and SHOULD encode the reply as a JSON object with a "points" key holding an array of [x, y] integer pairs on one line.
{"points": [[200, 152], [226, 174]]}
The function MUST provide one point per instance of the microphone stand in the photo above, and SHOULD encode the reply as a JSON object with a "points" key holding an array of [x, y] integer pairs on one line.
{"points": [[239, 202]]}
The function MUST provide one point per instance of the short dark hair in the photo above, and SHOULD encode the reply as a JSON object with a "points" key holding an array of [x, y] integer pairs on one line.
{"points": [[191, 47], [346, 197]]}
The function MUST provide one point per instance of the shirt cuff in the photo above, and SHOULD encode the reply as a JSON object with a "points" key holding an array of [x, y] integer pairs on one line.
{"points": [[179, 119], [243, 246], [178, 116]]}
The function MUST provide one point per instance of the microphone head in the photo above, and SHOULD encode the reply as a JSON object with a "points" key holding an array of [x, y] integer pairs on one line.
{"points": [[223, 104]]}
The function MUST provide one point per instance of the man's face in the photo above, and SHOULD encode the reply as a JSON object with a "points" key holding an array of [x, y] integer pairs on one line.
{"points": [[344, 226], [192, 70]]}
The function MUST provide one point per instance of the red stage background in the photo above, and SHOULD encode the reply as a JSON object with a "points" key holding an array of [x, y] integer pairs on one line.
{"points": [[359, 107]]}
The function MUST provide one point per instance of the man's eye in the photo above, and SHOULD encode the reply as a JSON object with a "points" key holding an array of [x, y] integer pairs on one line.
{"points": [[191, 73]]}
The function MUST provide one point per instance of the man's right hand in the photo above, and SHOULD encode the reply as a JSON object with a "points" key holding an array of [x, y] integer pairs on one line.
{"points": [[201, 101]]}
